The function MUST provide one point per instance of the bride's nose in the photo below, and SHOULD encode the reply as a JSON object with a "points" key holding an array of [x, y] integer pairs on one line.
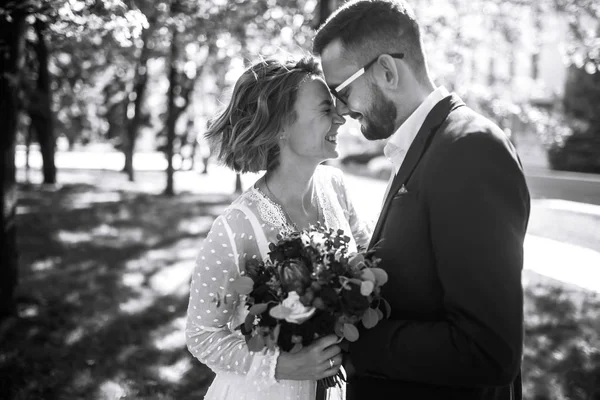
{"points": [[338, 119]]}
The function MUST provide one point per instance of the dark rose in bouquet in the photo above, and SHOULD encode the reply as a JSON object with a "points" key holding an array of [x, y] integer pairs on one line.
{"points": [[294, 275], [289, 247]]}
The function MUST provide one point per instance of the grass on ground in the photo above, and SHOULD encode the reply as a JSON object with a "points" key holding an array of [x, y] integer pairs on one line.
{"points": [[103, 296]]}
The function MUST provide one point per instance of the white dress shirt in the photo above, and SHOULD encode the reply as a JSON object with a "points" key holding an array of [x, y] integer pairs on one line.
{"points": [[398, 144]]}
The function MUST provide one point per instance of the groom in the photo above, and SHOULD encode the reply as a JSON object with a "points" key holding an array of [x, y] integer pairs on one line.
{"points": [[451, 231]]}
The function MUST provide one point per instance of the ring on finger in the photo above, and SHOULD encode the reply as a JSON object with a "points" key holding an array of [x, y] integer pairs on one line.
{"points": [[331, 363]]}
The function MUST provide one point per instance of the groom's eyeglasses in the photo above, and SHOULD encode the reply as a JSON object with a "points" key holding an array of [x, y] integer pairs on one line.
{"points": [[338, 89]]}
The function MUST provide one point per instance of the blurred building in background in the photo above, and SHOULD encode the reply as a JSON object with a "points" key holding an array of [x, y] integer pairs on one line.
{"points": [[508, 60]]}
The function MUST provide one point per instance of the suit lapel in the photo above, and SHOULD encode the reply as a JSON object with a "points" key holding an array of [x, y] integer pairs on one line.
{"points": [[416, 150]]}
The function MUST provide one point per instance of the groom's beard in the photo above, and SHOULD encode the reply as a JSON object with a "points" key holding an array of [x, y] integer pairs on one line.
{"points": [[379, 121]]}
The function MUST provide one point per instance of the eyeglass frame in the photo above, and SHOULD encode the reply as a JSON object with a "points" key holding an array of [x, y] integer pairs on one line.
{"points": [[336, 91]]}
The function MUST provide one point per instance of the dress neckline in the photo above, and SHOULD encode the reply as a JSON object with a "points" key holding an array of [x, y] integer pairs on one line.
{"points": [[288, 223]]}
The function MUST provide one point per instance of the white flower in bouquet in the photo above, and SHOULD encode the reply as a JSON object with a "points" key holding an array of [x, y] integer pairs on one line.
{"points": [[292, 310]]}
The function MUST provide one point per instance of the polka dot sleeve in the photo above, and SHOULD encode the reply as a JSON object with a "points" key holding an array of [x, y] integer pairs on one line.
{"points": [[214, 307]]}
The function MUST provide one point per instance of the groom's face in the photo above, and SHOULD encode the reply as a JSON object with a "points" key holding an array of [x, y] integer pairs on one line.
{"points": [[362, 99]]}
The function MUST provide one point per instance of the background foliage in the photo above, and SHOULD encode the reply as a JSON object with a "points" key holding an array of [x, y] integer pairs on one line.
{"points": [[110, 61]]}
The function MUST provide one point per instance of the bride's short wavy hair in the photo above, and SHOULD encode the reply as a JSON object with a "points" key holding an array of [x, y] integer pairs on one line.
{"points": [[246, 132]]}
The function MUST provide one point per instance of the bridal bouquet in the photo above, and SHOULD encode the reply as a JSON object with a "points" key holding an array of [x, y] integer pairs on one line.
{"points": [[309, 287]]}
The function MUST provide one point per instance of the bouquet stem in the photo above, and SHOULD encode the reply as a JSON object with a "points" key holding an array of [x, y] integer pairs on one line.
{"points": [[332, 381]]}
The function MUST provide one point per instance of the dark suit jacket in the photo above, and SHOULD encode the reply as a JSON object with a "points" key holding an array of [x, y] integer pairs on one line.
{"points": [[452, 245]]}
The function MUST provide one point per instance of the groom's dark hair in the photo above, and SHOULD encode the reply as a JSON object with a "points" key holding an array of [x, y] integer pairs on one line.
{"points": [[369, 28]]}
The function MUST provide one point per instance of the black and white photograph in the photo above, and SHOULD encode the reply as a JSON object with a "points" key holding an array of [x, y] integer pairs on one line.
{"points": [[300, 199]]}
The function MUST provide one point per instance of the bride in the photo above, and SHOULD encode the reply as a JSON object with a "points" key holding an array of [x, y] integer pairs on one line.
{"points": [[281, 118]]}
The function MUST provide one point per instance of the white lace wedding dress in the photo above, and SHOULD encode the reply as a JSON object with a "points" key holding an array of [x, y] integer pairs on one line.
{"points": [[242, 233]]}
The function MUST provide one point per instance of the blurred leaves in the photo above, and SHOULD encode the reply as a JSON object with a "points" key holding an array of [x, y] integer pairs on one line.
{"points": [[97, 45], [98, 42]]}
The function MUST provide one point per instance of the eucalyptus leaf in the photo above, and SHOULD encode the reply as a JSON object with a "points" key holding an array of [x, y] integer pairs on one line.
{"points": [[368, 275], [339, 329], [381, 277], [243, 285], [366, 288], [388, 308], [356, 259], [256, 343], [350, 332], [248, 323], [370, 318], [275, 332]]}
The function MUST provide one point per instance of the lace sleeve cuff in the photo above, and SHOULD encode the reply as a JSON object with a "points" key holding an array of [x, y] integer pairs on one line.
{"points": [[262, 370]]}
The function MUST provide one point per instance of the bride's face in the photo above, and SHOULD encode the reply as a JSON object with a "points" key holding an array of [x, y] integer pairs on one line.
{"points": [[313, 135]]}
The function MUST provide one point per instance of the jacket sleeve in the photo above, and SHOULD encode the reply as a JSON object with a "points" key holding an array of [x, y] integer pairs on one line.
{"points": [[478, 206]]}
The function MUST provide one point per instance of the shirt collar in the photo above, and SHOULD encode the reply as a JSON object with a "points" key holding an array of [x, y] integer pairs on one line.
{"points": [[398, 144]]}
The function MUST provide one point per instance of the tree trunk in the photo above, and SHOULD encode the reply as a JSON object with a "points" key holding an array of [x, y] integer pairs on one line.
{"points": [[535, 65], [535, 56], [191, 134], [12, 34], [492, 71], [40, 111], [474, 68], [512, 63], [28, 141], [171, 110], [134, 118], [187, 86]]}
